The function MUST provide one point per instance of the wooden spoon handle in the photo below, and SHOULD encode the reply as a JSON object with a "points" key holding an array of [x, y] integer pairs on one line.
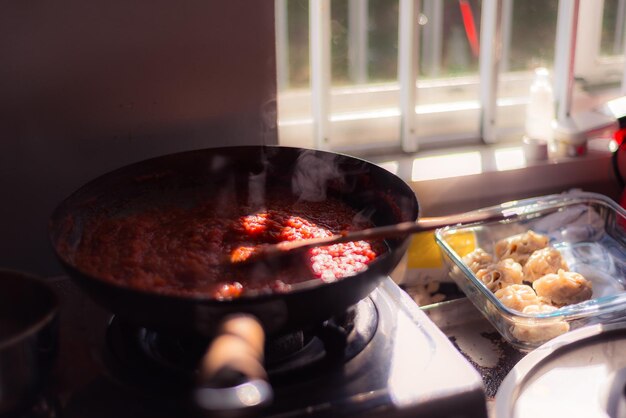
{"points": [[389, 231]]}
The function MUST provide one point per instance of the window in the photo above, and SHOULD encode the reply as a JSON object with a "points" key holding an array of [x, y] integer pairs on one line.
{"points": [[600, 58], [345, 67], [612, 34]]}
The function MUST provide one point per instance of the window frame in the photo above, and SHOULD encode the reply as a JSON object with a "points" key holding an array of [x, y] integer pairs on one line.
{"points": [[591, 67], [367, 118]]}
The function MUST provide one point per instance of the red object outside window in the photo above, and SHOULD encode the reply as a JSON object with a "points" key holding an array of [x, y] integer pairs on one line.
{"points": [[619, 136], [470, 26]]}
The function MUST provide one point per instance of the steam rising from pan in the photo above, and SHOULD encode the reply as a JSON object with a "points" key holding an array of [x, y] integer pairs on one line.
{"points": [[224, 197], [256, 188], [315, 171], [258, 178], [312, 173]]}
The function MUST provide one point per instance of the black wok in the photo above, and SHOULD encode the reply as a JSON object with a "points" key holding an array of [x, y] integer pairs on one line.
{"points": [[226, 173]]}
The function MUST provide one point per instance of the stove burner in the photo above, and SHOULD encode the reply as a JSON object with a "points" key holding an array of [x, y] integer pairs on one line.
{"points": [[153, 362]]}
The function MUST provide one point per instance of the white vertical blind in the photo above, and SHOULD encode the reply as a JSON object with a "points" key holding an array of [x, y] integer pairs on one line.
{"points": [[618, 39], [590, 35], [507, 29], [319, 15], [490, 50], [408, 44], [282, 44], [432, 35], [357, 40], [564, 59], [623, 86]]}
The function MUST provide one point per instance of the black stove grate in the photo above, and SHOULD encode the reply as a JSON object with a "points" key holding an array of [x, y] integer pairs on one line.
{"points": [[149, 361]]}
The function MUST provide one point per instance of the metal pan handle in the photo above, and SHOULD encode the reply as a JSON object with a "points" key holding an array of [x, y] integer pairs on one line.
{"points": [[232, 380]]}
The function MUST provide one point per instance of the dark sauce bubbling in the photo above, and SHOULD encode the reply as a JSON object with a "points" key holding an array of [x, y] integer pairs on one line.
{"points": [[180, 251]]}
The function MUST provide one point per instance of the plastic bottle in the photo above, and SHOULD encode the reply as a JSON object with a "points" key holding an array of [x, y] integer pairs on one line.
{"points": [[539, 116]]}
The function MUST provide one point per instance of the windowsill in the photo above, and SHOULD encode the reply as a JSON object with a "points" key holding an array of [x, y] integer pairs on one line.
{"points": [[477, 176]]}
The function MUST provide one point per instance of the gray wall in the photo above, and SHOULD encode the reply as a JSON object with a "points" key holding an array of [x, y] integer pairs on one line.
{"points": [[88, 86]]}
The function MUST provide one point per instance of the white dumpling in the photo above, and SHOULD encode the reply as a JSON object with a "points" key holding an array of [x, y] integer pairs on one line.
{"points": [[518, 296], [544, 261], [478, 259], [542, 330], [501, 274], [563, 288], [541, 308], [520, 247]]}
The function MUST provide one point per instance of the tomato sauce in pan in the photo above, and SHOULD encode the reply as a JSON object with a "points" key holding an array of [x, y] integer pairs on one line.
{"points": [[181, 251]]}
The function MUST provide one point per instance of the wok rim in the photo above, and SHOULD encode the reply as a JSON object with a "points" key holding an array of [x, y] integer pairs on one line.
{"points": [[246, 299]]}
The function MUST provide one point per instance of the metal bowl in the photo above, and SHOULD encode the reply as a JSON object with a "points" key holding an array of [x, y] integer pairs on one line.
{"points": [[28, 338]]}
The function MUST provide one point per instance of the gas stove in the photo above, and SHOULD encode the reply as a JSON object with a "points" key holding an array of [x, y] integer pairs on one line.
{"points": [[383, 357]]}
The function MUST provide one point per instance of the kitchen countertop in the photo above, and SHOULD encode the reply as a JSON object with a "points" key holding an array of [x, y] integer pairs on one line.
{"points": [[478, 341]]}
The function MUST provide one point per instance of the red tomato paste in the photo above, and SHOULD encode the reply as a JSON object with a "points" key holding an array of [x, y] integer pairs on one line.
{"points": [[181, 251]]}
